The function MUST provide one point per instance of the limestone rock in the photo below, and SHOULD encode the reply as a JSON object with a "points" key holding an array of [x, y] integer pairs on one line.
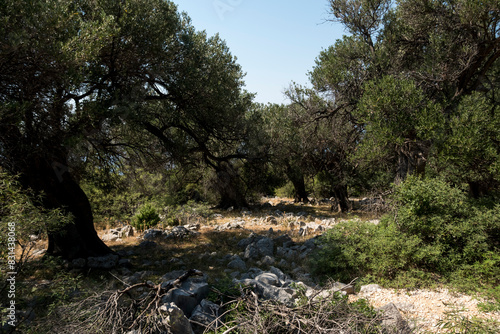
{"points": [[237, 263], [370, 288], [103, 262], [265, 246], [176, 320], [110, 237], [179, 232], [152, 234], [182, 299], [268, 260], [251, 252], [205, 313], [268, 278], [282, 239], [393, 319]]}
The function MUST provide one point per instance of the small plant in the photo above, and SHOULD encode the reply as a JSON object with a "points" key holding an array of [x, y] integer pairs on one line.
{"points": [[224, 290], [300, 290], [146, 217], [191, 212], [457, 324], [21, 219]]}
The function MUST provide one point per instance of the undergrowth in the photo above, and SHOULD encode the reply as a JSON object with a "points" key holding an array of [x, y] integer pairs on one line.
{"points": [[436, 235]]}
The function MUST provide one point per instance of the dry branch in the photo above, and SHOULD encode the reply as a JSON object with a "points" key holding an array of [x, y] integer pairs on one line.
{"points": [[130, 308], [333, 314]]}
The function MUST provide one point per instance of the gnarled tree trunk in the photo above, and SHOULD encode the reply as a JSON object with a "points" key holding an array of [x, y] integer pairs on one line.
{"points": [[411, 160], [229, 187], [341, 195], [60, 190], [297, 178]]}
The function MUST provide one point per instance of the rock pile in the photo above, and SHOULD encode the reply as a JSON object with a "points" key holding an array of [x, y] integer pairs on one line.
{"points": [[187, 309], [116, 234], [177, 232]]}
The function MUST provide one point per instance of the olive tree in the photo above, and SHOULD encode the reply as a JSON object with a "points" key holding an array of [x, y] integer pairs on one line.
{"points": [[93, 82]]}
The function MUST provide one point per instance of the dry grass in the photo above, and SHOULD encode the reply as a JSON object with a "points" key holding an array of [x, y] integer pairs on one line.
{"points": [[113, 311], [46, 284]]}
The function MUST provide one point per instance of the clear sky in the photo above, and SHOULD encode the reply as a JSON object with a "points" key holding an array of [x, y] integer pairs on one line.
{"points": [[276, 41]]}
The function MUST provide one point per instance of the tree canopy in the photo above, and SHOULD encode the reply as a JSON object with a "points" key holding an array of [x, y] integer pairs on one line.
{"points": [[98, 81], [408, 75], [100, 87]]}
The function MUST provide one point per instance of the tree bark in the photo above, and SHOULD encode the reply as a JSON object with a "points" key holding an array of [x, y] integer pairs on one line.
{"points": [[60, 190], [342, 197], [297, 178], [229, 188], [411, 160]]}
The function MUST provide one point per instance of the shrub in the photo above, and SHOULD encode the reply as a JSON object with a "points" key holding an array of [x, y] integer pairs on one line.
{"points": [[434, 228], [21, 218], [146, 217], [191, 212], [286, 191], [454, 230], [355, 248]]}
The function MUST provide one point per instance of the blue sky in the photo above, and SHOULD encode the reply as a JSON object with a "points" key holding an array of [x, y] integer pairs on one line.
{"points": [[276, 41]]}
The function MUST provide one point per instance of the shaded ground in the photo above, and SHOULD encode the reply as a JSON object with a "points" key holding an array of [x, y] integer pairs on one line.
{"points": [[45, 287]]}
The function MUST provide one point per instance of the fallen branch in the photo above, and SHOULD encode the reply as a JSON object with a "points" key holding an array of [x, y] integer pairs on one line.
{"points": [[132, 307], [333, 314]]}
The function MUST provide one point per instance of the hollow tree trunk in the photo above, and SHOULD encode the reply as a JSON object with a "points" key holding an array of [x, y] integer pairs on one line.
{"points": [[60, 190]]}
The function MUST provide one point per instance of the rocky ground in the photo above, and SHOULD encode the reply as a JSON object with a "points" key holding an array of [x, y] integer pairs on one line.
{"points": [[267, 248], [427, 310]]}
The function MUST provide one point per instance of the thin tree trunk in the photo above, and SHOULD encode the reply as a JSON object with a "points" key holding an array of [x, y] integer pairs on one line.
{"points": [[411, 160]]}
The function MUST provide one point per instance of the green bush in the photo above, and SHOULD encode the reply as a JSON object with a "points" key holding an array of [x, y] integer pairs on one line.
{"points": [[286, 191], [146, 217], [191, 212], [355, 249], [20, 218], [454, 229], [434, 229]]}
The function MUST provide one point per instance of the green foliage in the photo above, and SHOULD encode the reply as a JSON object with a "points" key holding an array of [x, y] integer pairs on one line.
{"points": [[224, 290], [190, 212], [322, 186], [112, 204], [434, 229], [449, 226], [21, 217], [146, 217], [354, 248], [458, 324], [420, 82], [482, 276], [105, 83], [285, 191], [469, 152]]}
